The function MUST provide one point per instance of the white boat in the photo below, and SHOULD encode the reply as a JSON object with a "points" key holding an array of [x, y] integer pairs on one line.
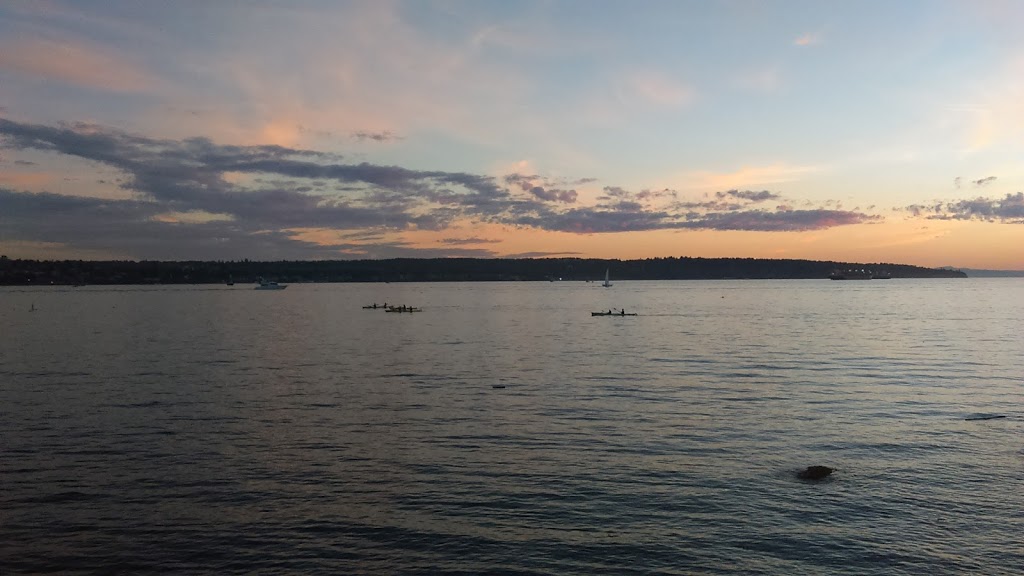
{"points": [[606, 284], [268, 285]]}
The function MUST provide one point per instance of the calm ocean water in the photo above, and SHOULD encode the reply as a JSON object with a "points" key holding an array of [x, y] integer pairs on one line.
{"points": [[211, 429]]}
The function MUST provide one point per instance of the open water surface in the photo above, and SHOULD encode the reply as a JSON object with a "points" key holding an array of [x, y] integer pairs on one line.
{"points": [[504, 430]]}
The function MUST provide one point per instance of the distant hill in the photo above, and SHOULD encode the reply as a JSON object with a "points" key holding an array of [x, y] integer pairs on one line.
{"points": [[973, 273], [76, 272]]}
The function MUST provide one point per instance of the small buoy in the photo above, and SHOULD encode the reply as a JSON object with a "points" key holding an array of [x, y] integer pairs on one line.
{"points": [[814, 472]]}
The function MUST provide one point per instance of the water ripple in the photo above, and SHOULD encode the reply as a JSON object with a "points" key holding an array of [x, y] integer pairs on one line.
{"points": [[209, 432]]}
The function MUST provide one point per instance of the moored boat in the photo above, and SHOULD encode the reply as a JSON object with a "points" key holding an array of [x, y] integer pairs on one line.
{"points": [[851, 275], [270, 285]]}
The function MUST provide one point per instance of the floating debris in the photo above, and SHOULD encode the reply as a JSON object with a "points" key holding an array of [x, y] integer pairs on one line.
{"points": [[814, 472], [986, 417]]}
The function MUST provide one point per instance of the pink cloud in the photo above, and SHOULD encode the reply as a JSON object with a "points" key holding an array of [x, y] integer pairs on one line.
{"points": [[662, 90], [25, 180], [74, 63], [808, 39]]}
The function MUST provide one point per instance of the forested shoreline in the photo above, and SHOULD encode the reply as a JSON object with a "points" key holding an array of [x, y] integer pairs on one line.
{"points": [[20, 272]]}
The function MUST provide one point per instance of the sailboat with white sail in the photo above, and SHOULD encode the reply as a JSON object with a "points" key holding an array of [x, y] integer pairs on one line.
{"points": [[606, 284]]}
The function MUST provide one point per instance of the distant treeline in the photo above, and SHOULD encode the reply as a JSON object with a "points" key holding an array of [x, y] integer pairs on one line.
{"points": [[72, 272]]}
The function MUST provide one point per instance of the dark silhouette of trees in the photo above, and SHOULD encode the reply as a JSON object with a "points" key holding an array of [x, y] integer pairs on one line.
{"points": [[71, 272]]}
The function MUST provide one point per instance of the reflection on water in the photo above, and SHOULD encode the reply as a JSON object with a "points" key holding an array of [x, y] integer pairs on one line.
{"points": [[223, 429]]}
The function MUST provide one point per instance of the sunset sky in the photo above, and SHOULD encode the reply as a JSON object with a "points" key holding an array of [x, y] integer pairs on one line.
{"points": [[859, 131]]}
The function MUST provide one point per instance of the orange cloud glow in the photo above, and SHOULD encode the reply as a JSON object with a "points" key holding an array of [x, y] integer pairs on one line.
{"points": [[34, 181], [350, 242], [191, 217], [54, 251], [281, 133], [924, 243], [747, 176], [807, 39], [74, 63]]}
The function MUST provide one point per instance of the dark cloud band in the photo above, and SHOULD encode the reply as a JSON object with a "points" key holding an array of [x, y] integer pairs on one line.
{"points": [[1009, 209], [264, 193]]}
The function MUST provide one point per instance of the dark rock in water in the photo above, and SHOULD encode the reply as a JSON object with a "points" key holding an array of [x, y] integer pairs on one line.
{"points": [[814, 473]]}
